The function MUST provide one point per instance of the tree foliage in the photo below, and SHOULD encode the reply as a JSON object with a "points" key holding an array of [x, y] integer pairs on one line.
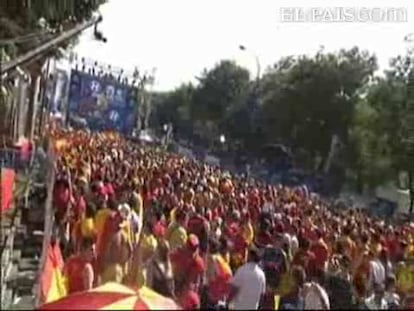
{"points": [[22, 18], [304, 101]]}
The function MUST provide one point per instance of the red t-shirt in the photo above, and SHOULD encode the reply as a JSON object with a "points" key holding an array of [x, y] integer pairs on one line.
{"points": [[73, 270], [191, 267], [79, 208], [189, 300], [232, 229], [159, 229], [321, 252], [304, 259], [61, 199], [109, 189], [310, 235], [240, 244], [264, 238], [196, 225]]}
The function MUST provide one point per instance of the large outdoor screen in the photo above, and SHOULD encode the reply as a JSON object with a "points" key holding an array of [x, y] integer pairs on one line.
{"points": [[101, 103]]}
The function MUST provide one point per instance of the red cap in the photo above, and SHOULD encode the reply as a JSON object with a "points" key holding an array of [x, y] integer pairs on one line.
{"points": [[159, 230]]}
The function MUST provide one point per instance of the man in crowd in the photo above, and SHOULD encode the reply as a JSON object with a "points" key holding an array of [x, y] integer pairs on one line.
{"points": [[248, 285], [79, 269]]}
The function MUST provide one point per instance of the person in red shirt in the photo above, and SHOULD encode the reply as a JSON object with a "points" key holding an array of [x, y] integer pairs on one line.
{"points": [[304, 257], [199, 226], [188, 298], [61, 198], [79, 268], [188, 265], [264, 237], [219, 275], [321, 252]]}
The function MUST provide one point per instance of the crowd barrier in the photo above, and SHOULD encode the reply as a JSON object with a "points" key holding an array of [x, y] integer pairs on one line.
{"points": [[49, 261]]}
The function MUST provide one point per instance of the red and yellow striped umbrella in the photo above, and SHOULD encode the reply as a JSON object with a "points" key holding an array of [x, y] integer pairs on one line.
{"points": [[113, 296]]}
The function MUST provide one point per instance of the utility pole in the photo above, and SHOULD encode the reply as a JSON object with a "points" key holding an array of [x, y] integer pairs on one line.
{"points": [[253, 100], [144, 97]]}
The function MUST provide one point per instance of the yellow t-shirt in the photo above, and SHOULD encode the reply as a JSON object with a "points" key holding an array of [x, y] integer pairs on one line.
{"points": [[127, 232], [139, 206], [248, 233], [286, 284], [405, 278], [172, 214], [177, 237], [100, 219], [88, 228]]}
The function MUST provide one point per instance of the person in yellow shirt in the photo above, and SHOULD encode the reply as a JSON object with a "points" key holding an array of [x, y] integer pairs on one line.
{"points": [[100, 218], [405, 281], [247, 229], [177, 234], [146, 251]]}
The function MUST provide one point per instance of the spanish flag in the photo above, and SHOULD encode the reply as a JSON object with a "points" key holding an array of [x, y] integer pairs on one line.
{"points": [[7, 185], [53, 283]]}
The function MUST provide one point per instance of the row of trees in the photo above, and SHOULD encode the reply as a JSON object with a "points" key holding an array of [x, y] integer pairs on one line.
{"points": [[303, 102]]}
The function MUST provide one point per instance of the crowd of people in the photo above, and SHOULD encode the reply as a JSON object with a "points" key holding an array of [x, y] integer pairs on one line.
{"points": [[139, 215]]}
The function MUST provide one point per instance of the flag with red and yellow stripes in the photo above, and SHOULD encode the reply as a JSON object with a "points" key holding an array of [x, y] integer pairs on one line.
{"points": [[53, 283]]}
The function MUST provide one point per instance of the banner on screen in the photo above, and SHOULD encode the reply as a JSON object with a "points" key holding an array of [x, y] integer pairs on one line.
{"points": [[100, 103]]}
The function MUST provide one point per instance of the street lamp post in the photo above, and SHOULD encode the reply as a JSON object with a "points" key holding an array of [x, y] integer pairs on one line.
{"points": [[254, 96], [258, 66]]}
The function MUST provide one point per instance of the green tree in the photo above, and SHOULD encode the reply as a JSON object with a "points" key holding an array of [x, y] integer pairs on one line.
{"points": [[395, 103], [370, 154], [307, 100], [175, 107], [222, 92]]}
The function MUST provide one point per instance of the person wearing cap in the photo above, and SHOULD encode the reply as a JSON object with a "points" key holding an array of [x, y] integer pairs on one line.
{"points": [[248, 285], [188, 265]]}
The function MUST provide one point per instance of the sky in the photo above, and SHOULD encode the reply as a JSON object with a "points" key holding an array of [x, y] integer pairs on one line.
{"points": [[180, 38]]}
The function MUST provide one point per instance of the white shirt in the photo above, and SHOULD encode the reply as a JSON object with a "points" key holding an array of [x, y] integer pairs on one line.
{"points": [[372, 305], [377, 272], [268, 207], [316, 298], [135, 221], [251, 282], [294, 244], [392, 298]]}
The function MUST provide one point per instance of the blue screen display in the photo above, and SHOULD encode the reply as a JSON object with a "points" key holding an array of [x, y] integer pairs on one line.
{"points": [[103, 103]]}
